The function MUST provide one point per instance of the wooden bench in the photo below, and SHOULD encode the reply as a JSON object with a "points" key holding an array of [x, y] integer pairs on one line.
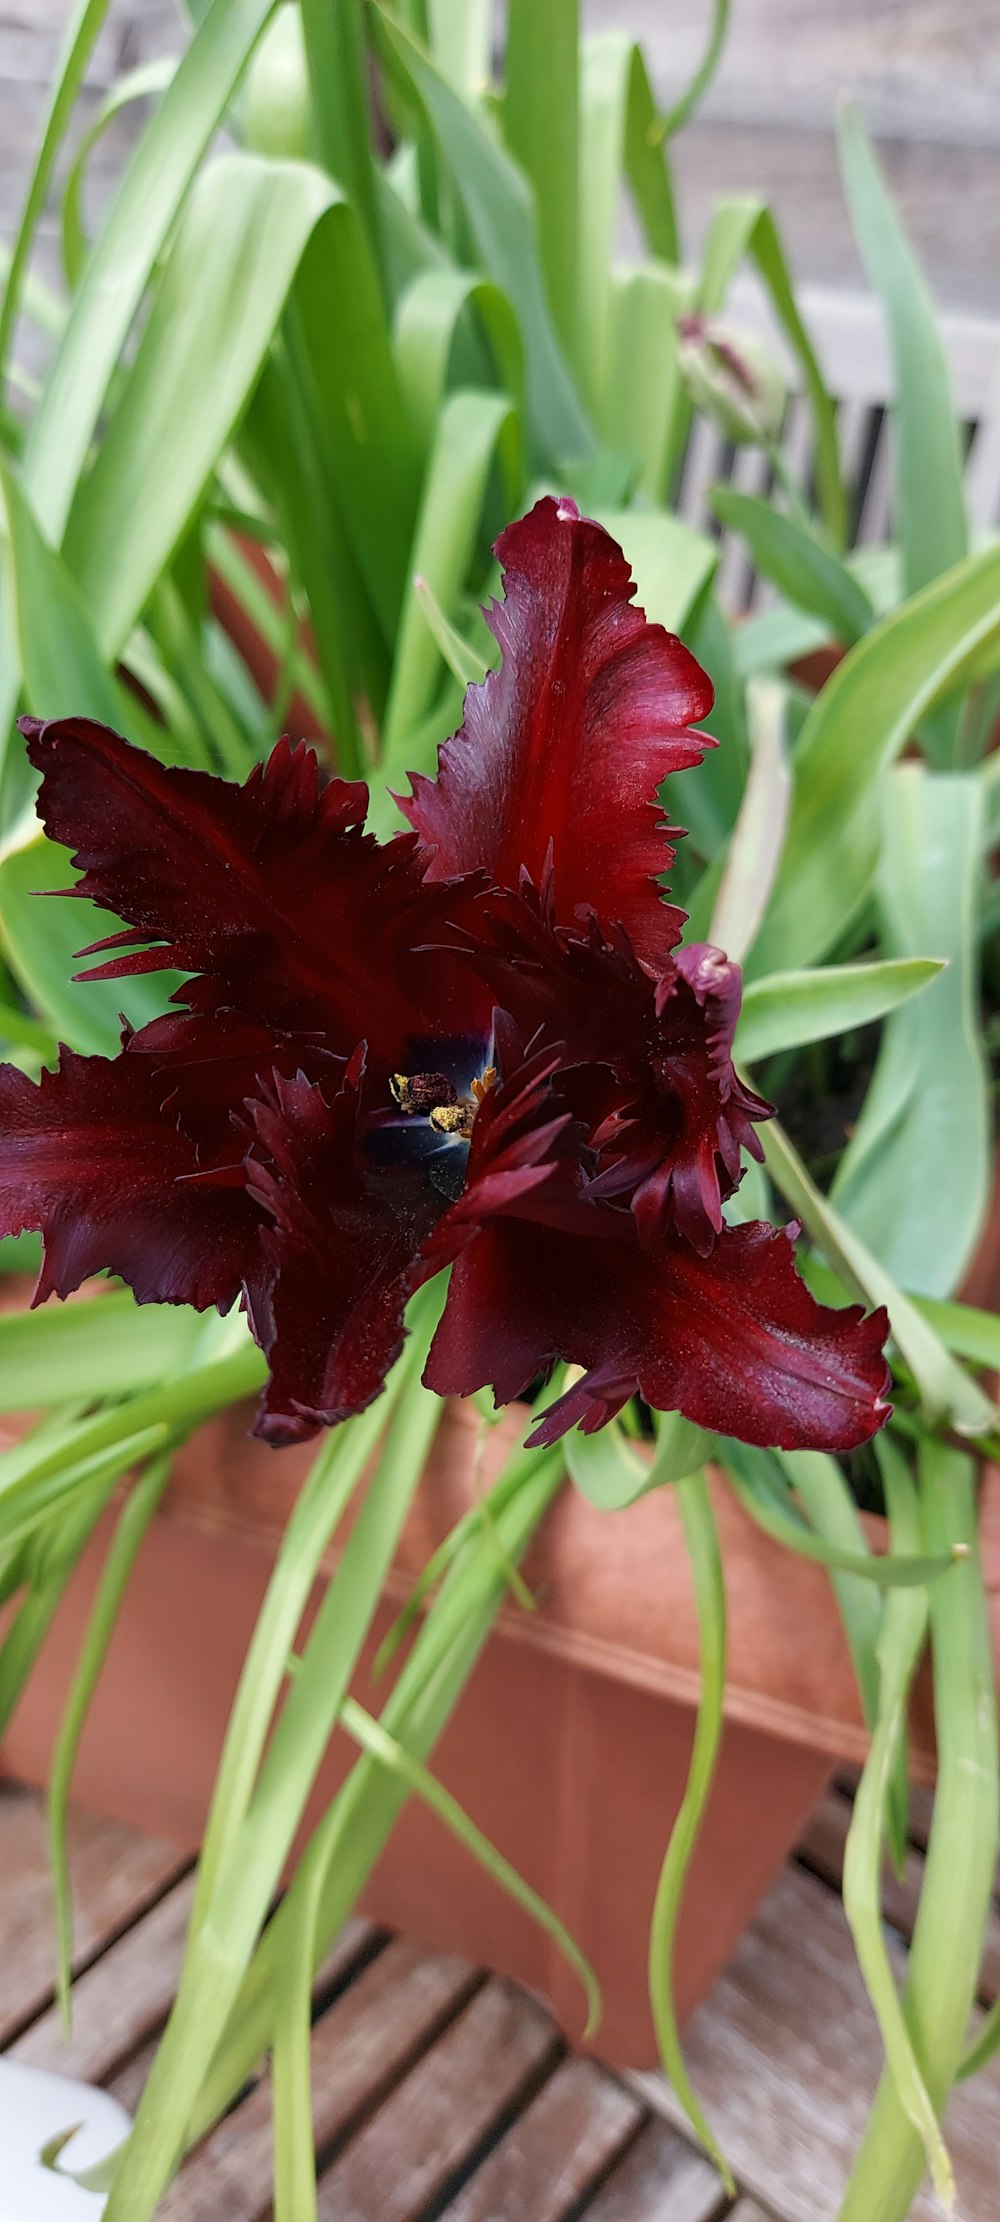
{"points": [[440, 2091]]}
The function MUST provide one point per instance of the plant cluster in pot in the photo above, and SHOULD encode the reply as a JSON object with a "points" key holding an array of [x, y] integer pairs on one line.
{"points": [[551, 1104]]}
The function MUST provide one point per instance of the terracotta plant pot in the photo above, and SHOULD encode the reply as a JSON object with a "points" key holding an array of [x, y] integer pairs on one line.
{"points": [[570, 1745]]}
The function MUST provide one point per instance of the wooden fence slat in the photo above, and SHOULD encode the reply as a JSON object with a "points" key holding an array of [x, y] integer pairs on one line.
{"points": [[361, 2046], [404, 2157], [785, 2057], [661, 2179], [116, 1874], [555, 2150]]}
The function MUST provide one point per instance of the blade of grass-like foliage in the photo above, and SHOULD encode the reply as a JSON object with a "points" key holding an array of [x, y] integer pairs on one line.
{"points": [[36, 1472], [914, 1179], [947, 1392], [930, 499], [427, 336], [971, 1333], [143, 215], [464, 663], [56, 1550], [232, 1907], [684, 108], [338, 342], [498, 205], [291, 2079], [473, 429], [78, 44], [41, 938], [755, 846], [647, 165], [64, 671], [138, 84], [354, 1829], [791, 1008], [961, 1851], [336, 55], [859, 723], [639, 396], [803, 569], [755, 1481], [227, 277], [701, 1537], [670, 560], [100, 1346], [900, 1643], [461, 33], [605, 74], [130, 1528], [540, 114]]}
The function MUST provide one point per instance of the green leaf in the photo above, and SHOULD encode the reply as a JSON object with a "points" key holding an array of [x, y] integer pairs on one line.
{"points": [[464, 663], [41, 939], [138, 84], [497, 203], [791, 1008], [683, 108], [946, 1391], [702, 1539], [637, 403], [336, 52], [647, 163], [805, 571], [859, 723], [228, 275], [431, 324], [541, 127], [753, 1477], [64, 672], [104, 1346], [607, 1468], [78, 43], [473, 429], [930, 499], [461, 36], [671, 561], [914, 1180], [755, 846]]}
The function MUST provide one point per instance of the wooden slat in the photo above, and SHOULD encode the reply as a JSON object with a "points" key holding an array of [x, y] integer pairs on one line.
{"points": [[360, 2048], [785, 2056], [556, 2150], [747, 2210], [418, 2141], [116, 1875], [660, 2180], [121, 1999], [822, 1847]]}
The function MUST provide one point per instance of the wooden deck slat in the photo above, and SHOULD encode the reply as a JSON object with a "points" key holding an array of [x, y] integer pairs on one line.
{"points": [[121, 1999], [785, 2057], [431, 2125], [116, 1875], [556, 2150], [660, 2180], [360, 2048]]}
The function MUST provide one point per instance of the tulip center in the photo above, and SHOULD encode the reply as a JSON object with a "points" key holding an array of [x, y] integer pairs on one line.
{"points": [[431, 1095]]}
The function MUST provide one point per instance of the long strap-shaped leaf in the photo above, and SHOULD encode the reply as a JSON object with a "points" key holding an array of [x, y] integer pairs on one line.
{"points": [[701, 1537], [78, 45]]}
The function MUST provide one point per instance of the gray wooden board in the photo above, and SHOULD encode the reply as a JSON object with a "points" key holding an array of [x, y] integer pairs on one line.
{"points": [[660, 2180], [116, 1874], [785, 2057], [360, 2048], [554, 2152], [433, 2121]]}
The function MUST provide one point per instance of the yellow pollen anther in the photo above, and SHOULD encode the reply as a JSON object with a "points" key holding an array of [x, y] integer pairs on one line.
{"points": [[482, 1086], [453, 1118]]}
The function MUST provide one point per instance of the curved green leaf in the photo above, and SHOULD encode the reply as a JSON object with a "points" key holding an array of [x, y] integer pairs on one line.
{"points": [[791, 1008]]}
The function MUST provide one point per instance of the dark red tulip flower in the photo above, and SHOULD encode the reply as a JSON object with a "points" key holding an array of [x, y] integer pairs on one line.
{"points": [[479, 1045]]}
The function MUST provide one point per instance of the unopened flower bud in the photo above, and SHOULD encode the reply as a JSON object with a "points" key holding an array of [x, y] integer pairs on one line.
{"points": [[730, 374]]}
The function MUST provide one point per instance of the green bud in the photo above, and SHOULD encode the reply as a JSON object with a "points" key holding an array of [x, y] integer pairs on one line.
{"points": [[732, 376], [277, 108]]}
